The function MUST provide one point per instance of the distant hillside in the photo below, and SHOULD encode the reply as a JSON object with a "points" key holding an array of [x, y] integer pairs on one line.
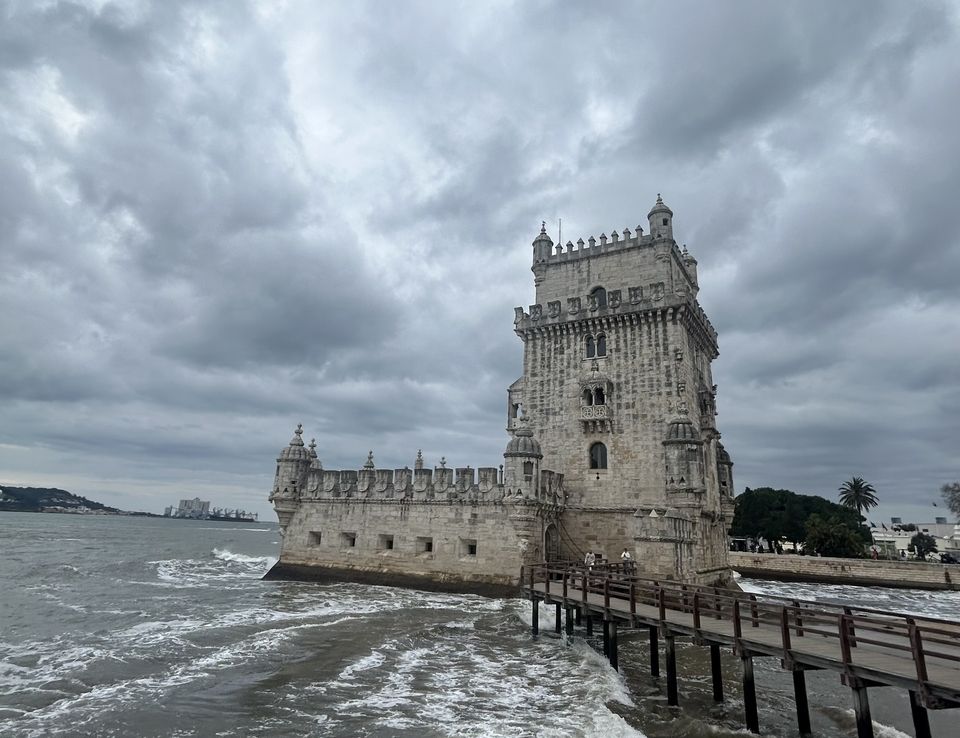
{"points": [[35, 499]]}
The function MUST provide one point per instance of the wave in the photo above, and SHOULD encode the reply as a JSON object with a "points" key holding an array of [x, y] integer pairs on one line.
{"points": [[264, 562]]}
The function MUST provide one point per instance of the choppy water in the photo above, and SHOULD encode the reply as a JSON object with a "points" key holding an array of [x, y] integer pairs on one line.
{"points": [[127, 626]]}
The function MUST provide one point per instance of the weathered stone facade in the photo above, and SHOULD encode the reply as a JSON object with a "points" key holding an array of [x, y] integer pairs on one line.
{"points": [[613, 442]]}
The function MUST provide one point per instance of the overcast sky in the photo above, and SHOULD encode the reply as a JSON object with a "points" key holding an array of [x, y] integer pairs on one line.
{"points": [[218, 220]]}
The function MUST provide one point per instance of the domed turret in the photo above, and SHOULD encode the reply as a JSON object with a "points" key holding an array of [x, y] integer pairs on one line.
{"points": [[661, 220], [296, 451], [682, 429], [523, 444], [542, 245]]}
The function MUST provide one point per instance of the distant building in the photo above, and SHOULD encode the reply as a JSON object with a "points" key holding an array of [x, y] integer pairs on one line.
{"points": [[195, 508], [613, 445]]}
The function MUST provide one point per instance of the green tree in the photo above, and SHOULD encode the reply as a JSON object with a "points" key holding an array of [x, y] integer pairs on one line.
{"points": [[922, 544], [857, 494], [776, 513], [830, 536], [951, 495]]}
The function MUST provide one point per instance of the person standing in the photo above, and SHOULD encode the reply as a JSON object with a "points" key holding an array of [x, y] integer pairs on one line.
{"points": [[626, 559]]}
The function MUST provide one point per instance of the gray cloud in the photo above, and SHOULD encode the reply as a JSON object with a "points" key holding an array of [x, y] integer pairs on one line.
{"points": [[218, 220]]}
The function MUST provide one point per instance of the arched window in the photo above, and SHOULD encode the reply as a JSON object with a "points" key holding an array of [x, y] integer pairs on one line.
{"points": [[601, 345], [528, 469], [599, 296], [587, 397], [591, 347], [598, 456], [598, 397]]}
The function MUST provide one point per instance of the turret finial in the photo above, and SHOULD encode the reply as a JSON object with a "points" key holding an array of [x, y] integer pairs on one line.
{"points": [[543, 227], [369, 464], [659, 199], [418, 464], [443, 462]]}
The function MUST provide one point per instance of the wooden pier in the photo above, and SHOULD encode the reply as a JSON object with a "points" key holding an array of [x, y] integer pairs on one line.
{"points": [[867, 647]]}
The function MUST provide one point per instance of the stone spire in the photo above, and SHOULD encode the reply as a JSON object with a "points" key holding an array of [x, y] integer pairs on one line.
{"points": [[369, 464], [418, 464], [297, 440], [313, 448]]}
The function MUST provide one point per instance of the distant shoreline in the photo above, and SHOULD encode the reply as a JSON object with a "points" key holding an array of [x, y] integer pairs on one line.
{"points": [[124, 514]]}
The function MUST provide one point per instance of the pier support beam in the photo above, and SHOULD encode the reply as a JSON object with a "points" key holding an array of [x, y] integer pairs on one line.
{"points": [[614, 661], [921, 721], [716, 672], [654, 652], [569, 620], [861, 708], [579, 620], [749, 694], [671, 653], [606, 637], [800, 697], [558, 624], [589, 616], [535, 616]]}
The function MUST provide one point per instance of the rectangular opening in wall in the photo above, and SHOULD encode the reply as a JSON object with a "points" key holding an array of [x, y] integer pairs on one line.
{"points": [[314, 538], [385, 542], [348, 540], [424, 545], [468, 547]]}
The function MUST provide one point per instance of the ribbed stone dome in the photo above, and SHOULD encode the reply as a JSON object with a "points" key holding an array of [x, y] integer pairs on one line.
{"points": [[659, 207], [523, 444], [722, 455], [296, 451], [682, 430]]}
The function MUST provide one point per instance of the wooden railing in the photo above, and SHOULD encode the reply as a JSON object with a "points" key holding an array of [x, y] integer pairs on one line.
{"points": [[927, 641]]}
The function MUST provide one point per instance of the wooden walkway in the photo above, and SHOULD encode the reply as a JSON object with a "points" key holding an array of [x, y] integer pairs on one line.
{"points": [[867, 647]]}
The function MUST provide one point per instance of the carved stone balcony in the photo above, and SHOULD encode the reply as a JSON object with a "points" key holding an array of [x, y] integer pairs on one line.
{"points": [[595, 417]]}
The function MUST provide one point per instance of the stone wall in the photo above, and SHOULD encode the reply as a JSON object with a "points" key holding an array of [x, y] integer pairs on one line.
{"points": [[900, 574], [484, 542]]}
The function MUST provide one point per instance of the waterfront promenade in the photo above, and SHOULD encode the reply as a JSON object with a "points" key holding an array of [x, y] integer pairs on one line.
{"points": [[868, 648]]}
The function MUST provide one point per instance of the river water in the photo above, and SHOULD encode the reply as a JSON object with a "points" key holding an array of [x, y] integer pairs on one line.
{"points": [[120, 626]]}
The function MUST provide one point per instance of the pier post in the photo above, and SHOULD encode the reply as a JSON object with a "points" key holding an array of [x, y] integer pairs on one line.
{"points": [[716, 672], [558, 625], [579, 616], [589, 616], [861, 708], [671, 653], [569, 620], [921, 721], [535, 616], [606, 637], [614, 661], [654, 652], [749, 694], [800, 697]]}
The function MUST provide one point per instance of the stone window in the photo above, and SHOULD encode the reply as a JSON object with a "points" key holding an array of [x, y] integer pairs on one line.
{"points": [[385, 542], [591, 347], [348, 540], [587, 397], [314, 538], [528, 469], [468, 547], [666, 222], [599, 296], [601, 345], [598, 456], [424, 545], [599, 398]]}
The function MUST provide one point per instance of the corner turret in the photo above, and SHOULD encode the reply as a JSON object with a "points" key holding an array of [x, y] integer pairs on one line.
{"points": [[661, 220], [521, 463], [542, 245]]}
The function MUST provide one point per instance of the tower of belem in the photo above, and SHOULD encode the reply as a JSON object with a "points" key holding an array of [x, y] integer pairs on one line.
{"points": [[613, 444]]}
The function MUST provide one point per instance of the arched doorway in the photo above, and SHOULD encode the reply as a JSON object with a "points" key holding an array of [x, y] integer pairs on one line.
{"points": [[551, 543]]}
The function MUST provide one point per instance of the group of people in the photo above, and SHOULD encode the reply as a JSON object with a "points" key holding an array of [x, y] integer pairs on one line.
{"points": [[592, 559]]}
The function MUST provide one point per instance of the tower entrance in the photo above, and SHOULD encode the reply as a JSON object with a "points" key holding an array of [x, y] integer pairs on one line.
{"points": [[551, 543]]}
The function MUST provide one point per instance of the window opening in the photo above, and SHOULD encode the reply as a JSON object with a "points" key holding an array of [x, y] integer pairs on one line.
{"points": [[598, 456], [314, 538], [601, 345], [665, 221], [386, 542], [424, 545], [600, 297], [591, 347], [348, 540], [599, 399], [587, 397], [528, 469]]}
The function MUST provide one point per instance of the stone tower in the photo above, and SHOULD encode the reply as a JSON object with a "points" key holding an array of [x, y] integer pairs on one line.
{"points": [[618, 391]]}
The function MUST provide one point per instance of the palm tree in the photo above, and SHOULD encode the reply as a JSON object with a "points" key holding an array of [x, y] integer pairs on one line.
{"points": [[858, 494]]}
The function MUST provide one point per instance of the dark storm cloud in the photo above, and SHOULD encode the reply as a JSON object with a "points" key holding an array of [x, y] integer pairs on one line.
{"points": [[221, 219]]}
